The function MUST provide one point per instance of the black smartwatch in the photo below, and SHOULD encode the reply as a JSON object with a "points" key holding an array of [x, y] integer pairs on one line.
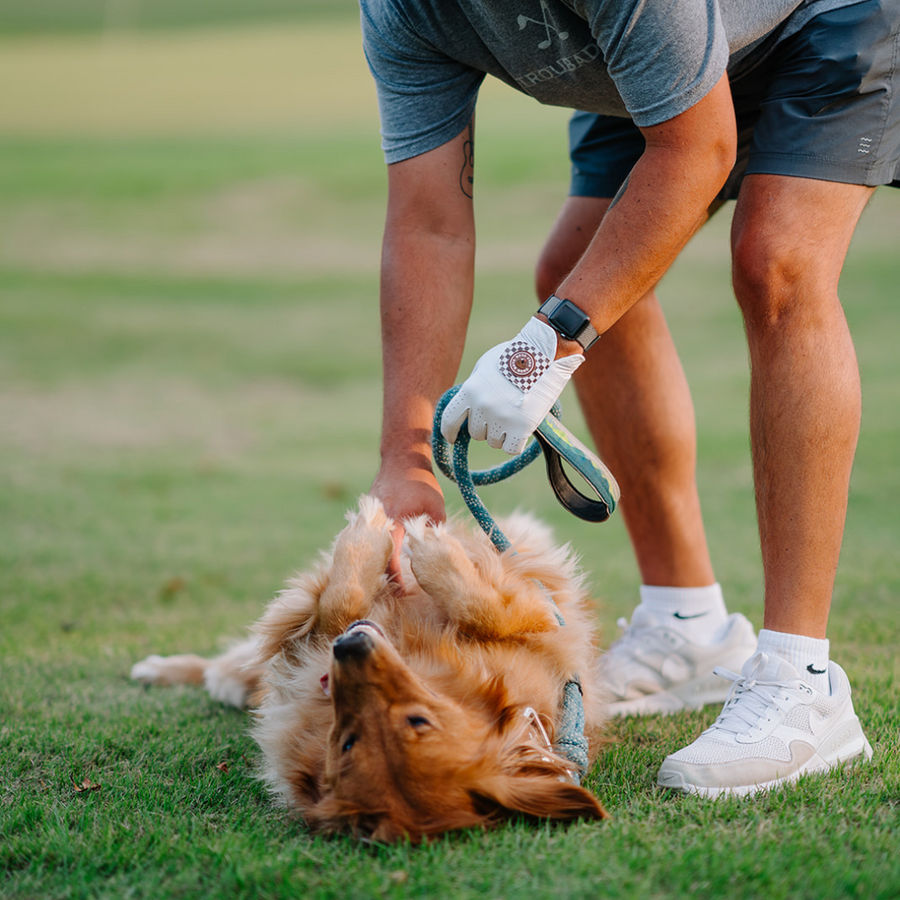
{"points": [[569, 321]]}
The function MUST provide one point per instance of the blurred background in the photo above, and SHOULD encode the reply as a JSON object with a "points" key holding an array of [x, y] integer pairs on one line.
{"points": [[191, 203]]}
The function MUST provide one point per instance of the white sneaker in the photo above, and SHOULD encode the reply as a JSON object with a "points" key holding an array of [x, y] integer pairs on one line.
{"points": [[655, 669], [773, 729]]}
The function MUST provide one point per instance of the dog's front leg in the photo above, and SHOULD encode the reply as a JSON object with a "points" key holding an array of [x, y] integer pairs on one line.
{"points": [[474, 587], [357, 574], [339, 592]]}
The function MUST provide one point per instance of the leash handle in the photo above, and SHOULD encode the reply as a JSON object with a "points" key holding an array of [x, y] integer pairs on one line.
{"points": [[455, 466], [443, 455], [557, 443]]}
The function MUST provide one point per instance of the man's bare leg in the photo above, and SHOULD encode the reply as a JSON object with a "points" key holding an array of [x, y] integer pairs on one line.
{"points": [[790, 238]]}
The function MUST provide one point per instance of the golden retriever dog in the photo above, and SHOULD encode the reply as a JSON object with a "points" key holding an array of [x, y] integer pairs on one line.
{"points": [[394, 714]]}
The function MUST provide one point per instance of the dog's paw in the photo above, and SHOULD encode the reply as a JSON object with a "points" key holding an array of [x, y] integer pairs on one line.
{"points": [[168, 670], [419, 529], [366, 544], [439, 561], [149, 670], [371, 514]]}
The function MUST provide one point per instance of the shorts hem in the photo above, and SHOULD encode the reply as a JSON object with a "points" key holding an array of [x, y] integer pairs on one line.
{"points": [[800, 166]]}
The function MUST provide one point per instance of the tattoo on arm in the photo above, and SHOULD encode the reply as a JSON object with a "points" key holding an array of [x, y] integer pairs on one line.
{"points": [[467, 173]]}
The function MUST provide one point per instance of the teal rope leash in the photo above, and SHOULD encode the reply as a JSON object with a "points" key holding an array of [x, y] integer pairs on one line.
{"points": [[455, 465], [556, 443]]}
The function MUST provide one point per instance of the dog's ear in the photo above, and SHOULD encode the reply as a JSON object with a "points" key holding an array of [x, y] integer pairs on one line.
{"points": [[536, 796]]}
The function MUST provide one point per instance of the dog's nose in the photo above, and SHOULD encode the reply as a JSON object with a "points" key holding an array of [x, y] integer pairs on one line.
{"points": [[355, 645]]}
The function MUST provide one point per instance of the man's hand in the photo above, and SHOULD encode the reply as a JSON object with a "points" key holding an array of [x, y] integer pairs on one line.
{"points": [[511, 389], [406, 492]]}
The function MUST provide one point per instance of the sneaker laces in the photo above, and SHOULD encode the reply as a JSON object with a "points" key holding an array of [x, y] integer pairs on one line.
{"points": [[752, 696]]}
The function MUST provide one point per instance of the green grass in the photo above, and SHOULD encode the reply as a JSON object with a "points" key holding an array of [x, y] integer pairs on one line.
{"points": [[182, 430]]}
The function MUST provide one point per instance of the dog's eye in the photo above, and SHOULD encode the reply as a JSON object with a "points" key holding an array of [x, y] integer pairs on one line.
{"points": [[348, 743], [417, 721]]}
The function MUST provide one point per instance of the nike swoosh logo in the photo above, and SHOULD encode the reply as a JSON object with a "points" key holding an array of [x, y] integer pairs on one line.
{"points": [[813, 671], [680, 616]]}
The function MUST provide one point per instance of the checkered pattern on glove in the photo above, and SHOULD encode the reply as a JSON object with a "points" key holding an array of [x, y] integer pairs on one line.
{"points": [[523, 364], [511, 389]]}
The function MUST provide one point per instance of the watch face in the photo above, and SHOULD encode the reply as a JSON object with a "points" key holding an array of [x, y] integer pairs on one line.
{"points": [[568, 319]]}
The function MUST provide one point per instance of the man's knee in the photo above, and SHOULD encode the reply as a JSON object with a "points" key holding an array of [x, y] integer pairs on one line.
{"points": [[777, 276], [789, 240], [757, 275]]}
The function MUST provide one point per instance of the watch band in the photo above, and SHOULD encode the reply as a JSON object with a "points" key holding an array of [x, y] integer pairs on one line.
{"points": [[569, 320]]}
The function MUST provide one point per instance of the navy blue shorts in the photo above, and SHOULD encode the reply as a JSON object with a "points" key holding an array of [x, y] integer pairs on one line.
{"points": [[822, 105]]}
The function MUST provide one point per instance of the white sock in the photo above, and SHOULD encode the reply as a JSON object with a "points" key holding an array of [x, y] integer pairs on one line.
{"points": [[809, 656], [697, 612]]}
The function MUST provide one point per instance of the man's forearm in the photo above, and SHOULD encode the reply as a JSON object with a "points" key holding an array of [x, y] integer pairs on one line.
{"points": [[665, 202], [426, 298], [427, 276], [637, 242]]}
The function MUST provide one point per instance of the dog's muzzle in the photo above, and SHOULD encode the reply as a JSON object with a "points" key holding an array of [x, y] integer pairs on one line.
{"points": [[357, 642]]}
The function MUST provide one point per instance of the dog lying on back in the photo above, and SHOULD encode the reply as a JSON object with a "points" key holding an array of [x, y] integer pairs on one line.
{"points": [[391, 715]]}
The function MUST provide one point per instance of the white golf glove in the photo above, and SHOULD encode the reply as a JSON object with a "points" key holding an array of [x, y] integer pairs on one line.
{"points": [[511, 389]]}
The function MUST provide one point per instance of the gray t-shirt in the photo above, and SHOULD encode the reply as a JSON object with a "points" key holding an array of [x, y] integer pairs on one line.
{"points": [[649, 60]]}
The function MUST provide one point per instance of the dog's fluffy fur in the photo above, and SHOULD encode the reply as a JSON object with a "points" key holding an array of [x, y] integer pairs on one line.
{"points": [[390, 714]]}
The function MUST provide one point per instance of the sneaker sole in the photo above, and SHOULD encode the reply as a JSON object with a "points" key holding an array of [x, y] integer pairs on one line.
{"points": [[858, 749]]}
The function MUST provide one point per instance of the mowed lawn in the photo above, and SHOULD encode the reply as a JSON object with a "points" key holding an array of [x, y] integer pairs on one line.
{"points": [[189, 397]]}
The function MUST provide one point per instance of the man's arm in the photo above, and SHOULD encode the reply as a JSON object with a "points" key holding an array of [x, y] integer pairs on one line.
{"points": [[664, 201], [427, 274], [686, 161]]}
